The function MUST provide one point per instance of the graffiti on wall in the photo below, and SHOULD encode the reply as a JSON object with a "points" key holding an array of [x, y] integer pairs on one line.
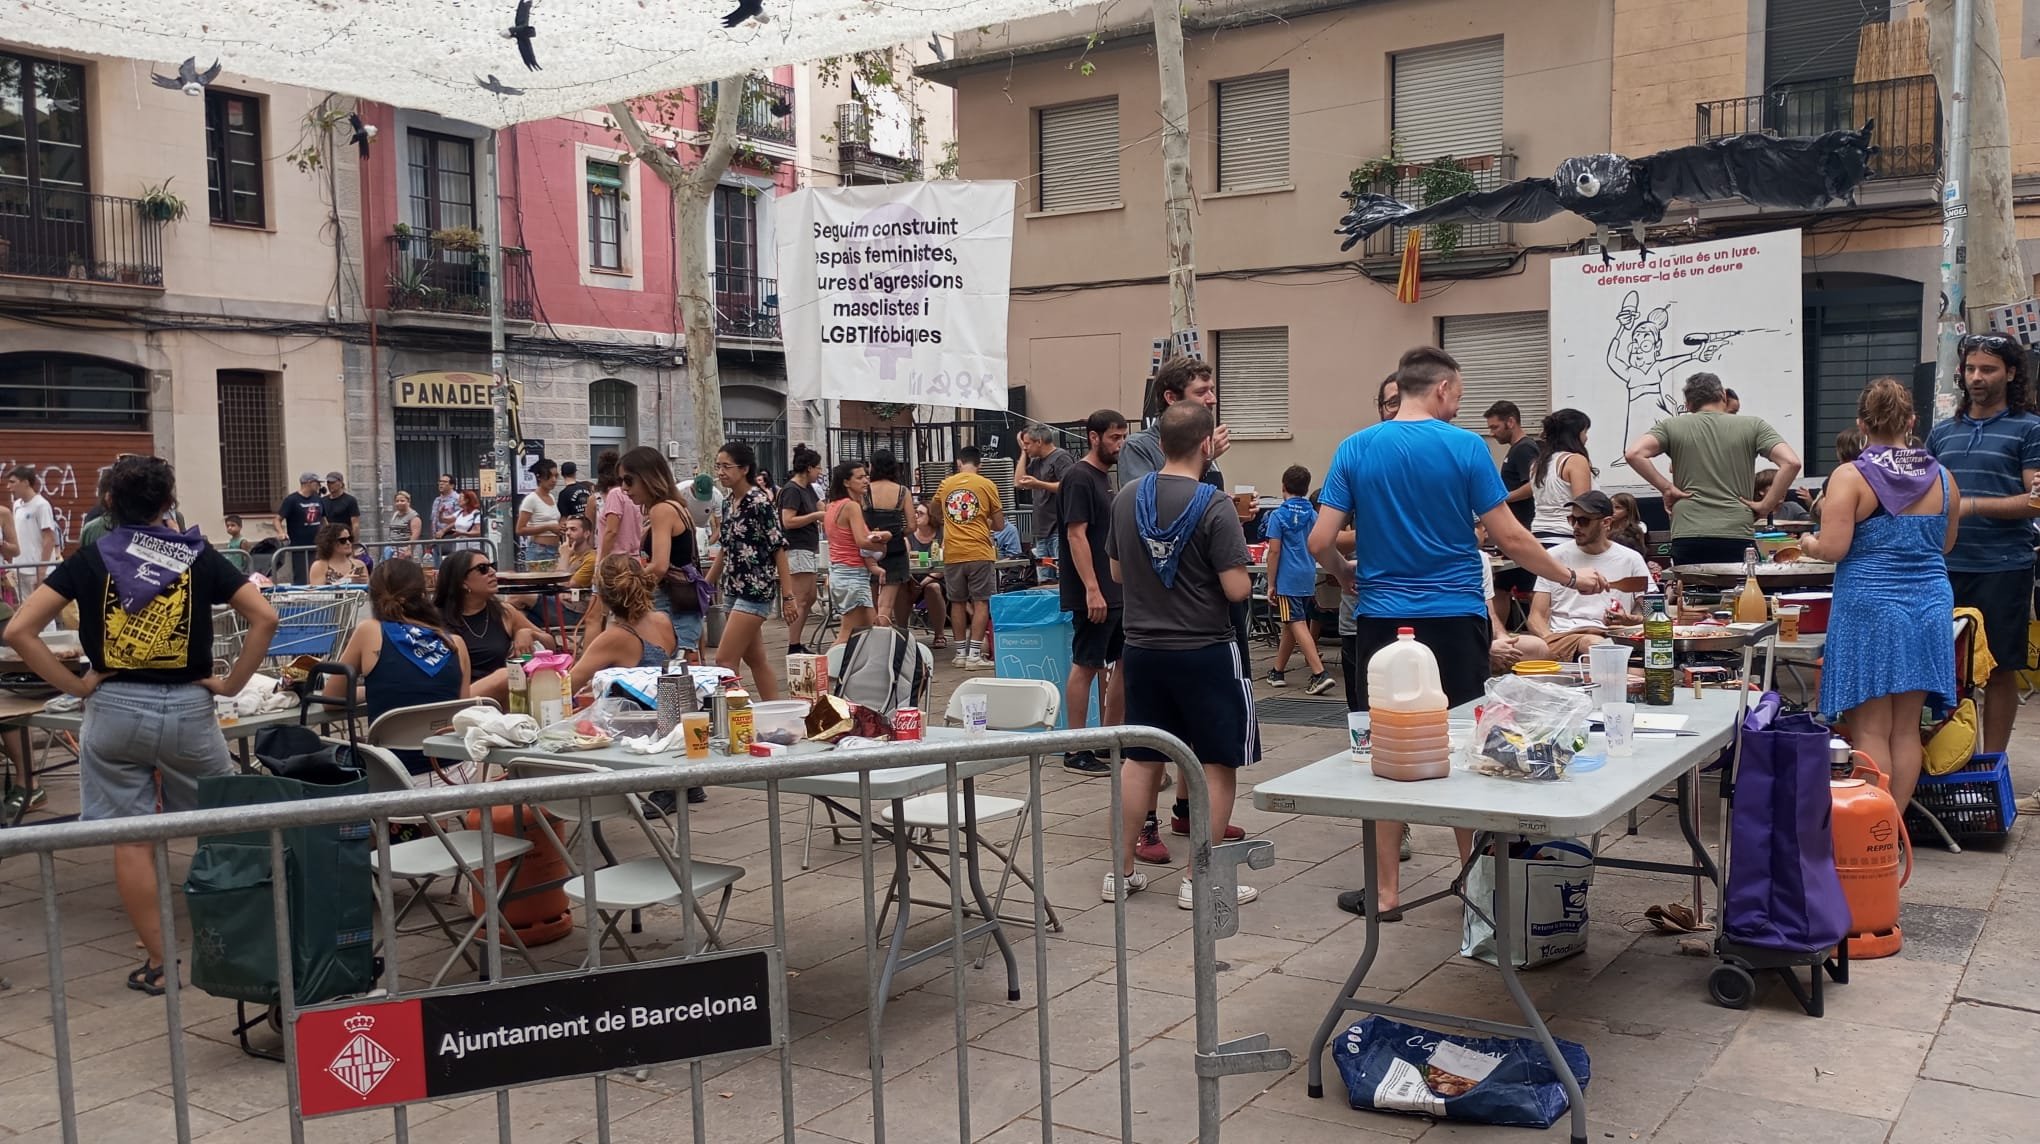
{"points": [[70, 496]]}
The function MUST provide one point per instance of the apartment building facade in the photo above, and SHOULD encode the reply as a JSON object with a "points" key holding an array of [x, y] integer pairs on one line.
{"points": [[169, 284]]}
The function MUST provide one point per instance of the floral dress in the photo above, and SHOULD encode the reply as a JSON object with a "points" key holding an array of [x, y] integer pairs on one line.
{"points": [[751, 540]]}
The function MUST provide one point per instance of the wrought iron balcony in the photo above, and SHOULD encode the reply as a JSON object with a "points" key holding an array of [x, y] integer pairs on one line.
{"points": [[756, 118], [855, 156], [1907, 111], [51, 233], [1488, 172], [428, 274], [746, 307]]}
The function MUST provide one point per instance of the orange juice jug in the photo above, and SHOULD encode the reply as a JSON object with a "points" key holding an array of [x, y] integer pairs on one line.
{"points": [[1407, 711]]}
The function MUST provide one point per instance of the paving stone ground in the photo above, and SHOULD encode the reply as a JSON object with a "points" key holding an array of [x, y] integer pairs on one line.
{"points": [[1933, 1046]]}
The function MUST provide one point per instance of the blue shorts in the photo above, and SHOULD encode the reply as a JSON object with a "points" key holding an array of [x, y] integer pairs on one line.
{"points": [[1199, 696], [686, 625], [760, 608], [1294, 609]]}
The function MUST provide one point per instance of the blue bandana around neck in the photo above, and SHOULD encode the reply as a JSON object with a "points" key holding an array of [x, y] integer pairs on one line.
{"points": [[424, 647], [1165, 545]]}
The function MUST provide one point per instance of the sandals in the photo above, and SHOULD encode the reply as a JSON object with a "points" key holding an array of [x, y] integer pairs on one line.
{"points": [[1355, 902], [147, 979]]}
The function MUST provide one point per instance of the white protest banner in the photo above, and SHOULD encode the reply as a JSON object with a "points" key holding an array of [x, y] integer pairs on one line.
{"points": [[897, 293], [1625, 337]]}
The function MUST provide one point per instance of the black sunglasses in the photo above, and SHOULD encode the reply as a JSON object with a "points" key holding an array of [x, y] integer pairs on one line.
{"points": [[488, 568], [1993, 342]]}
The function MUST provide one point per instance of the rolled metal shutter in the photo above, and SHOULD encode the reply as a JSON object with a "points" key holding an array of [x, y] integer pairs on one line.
{"points": [[1079, 155], [1502, 357], [1253, 379], [1253, 132], [1448, 101], [1815, 39]]}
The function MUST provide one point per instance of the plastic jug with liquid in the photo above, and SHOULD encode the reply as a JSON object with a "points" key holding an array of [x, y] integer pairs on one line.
{"points": [[1407, 708]]}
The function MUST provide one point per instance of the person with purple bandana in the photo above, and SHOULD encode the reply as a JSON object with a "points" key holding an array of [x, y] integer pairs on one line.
{"points": [[145, 597], [1888, 519]]}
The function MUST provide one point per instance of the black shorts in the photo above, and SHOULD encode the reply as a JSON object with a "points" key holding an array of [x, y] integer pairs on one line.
{"points": [[1460, 644], [1097, 645], [2006, 601], [1710, 550], [1202, 697]]}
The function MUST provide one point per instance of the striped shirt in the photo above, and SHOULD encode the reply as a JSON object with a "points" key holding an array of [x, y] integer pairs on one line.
{"points": [[1988, 458]]}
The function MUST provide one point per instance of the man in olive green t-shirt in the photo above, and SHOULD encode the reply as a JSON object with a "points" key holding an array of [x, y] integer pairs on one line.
{"points": [[1714, 454]]}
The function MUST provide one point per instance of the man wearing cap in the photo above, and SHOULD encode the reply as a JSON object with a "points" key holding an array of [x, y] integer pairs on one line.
{"points": [[1571, 621], [341, 507], [299, 519]]}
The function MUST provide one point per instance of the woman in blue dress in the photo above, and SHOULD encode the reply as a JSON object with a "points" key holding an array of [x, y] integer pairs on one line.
{"points": [[1888, 518]]}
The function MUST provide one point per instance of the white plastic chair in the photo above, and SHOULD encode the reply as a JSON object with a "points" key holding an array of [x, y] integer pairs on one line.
{"points": [[624, 888], [407, 728], [1011, 705], [455, 853], [837, 834]]}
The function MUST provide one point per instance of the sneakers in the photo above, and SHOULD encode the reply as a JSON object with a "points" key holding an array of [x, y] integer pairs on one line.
{"points": [[1182, 826], [1319, 683], [1186, 900], [19, 800], [1275, 678], [960, 656], [1404, 851], [976, 663], [1135, 883], [1150, 848], [1085, 763]]}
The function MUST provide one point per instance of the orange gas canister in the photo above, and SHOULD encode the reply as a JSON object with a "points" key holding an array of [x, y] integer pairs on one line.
{"points": [[1869, 838], [544, 916]]}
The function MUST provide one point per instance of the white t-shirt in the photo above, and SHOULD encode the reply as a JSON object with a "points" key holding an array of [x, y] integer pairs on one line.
{"points": [[31, 517], [542, 511], [1569, 609]]}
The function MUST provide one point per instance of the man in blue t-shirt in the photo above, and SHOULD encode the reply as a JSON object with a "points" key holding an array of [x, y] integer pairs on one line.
{"points": [[1292, 581], [1412, 487], [1992, 447]]}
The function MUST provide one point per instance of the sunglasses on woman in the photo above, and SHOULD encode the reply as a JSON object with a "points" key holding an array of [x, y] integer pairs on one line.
{"points": [[485, 569]]}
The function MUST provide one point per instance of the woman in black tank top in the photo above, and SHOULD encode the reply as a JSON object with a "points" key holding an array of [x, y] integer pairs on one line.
{"points": [[888, 509]]}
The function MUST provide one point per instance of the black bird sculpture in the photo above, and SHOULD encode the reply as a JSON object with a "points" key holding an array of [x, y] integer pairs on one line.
{"points": [[521, 30], [188, 79], [496, 86], [780, 107], [1615, 192], [360, 133], [745, 10], [935, 45]]}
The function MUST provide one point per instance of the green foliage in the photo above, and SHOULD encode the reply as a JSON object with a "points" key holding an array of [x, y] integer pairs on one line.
{"points": [[159, 204], [1433, 182]]}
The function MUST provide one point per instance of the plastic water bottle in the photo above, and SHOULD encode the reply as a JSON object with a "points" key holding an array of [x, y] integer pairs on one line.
{"points": [[1406, 702]]}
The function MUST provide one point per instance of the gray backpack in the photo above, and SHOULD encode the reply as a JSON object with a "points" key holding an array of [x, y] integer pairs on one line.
{"points": [[883, 670]]}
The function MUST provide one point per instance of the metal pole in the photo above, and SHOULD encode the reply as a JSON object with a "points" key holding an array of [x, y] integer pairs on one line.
{"points": [[499, 388], [1177, 203], [1955, 217]]}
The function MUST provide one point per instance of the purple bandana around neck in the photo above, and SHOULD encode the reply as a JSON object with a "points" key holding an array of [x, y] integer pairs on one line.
{"points": [[144, 561], [1898, 476]]}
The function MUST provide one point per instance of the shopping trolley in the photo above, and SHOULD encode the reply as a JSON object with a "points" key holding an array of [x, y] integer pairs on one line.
{"points": [[312, 621]]}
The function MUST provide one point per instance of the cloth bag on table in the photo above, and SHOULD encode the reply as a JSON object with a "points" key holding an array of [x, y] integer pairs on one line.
{"points": [[1783, 891], [1548, 884]]}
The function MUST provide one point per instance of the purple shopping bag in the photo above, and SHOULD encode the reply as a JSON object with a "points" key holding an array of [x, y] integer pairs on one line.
{"points": [[1783, 892]]}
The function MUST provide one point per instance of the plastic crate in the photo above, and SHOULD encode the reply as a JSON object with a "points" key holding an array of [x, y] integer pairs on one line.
{"points": [[1973, 802]]}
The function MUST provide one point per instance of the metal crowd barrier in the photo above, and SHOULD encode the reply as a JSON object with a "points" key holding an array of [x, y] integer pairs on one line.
{"points": [[1212, 870], [428, 552]]}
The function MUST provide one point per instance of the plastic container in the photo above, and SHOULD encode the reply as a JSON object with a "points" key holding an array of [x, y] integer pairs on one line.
{"points": [[1412, 736], [782, 721], [1974, 802]]}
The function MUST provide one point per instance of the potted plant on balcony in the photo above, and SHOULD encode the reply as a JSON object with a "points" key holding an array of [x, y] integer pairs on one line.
{"points": [[402, 231], [1435, 181], [464, 238], [158, 203]]}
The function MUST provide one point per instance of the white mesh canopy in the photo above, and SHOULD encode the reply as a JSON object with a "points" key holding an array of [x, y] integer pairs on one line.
{"points": [[430, 54]]}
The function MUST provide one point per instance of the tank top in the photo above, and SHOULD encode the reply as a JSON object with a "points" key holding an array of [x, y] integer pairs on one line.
{"points": [[1554, 493], [893, 520], [681, 552], [416, 665], [843, 550], [487, 637], [649, 653]]}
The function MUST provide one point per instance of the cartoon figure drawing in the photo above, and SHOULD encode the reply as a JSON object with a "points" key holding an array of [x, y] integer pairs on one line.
{"points": [[1636, 354]]}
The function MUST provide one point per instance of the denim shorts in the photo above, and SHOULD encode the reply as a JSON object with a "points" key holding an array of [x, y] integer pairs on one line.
{"points": [[686, 625], [135, 732], [849, 588], [760, 608]]}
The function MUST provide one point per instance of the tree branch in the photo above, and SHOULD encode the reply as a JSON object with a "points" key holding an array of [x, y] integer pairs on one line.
{"points": [[664, 165]]}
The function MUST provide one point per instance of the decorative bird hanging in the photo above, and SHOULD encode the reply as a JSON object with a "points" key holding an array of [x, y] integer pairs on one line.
{"points": [[188, 79], [496, 86], [360, 133], [745, 10], [1612, 191], [935, 45], [781, 107], [521, 30]]}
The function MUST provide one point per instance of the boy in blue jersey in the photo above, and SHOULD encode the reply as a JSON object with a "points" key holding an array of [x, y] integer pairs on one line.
{"points": [[1292, 581]]}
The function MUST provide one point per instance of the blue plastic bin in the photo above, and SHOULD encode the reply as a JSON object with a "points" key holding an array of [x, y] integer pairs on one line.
{"points": [[1031, 640]]}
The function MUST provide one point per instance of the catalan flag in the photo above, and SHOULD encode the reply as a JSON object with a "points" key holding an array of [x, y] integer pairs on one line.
{"points": [[1409, 283]]}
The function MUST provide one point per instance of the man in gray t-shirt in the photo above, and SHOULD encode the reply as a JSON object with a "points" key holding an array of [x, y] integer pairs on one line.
{"points": [[1042, 465]]}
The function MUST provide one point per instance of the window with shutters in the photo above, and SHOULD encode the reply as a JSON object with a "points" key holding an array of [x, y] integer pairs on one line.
{"points": [[1079, 155], [1253, 132], [1448, 101], [1253, 382], [1806, 41], [251, 441], [233, 158], [1502, 357]]}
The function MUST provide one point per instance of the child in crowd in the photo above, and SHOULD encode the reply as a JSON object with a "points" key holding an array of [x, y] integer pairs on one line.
{"points": [[1292, 581], [234, 542]]}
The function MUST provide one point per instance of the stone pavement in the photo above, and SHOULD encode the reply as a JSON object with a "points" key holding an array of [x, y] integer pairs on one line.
{"points": [[1934, 1045]]}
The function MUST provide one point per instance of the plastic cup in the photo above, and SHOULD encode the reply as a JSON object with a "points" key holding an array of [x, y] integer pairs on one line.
{"points": [[1619, 720], [1360, 733], [975, 711], [1788, 622], [696, 725], [1609, 665]]}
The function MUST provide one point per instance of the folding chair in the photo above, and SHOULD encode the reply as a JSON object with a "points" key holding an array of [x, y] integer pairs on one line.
{"points": [[618, 890], [407, 728], [837, 837], [446, 854], [1010, 705]]}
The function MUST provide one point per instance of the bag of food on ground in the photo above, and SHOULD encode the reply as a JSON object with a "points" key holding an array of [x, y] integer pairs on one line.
{"points": [[1547, 906], [1528, 729], [1392, 1067]]}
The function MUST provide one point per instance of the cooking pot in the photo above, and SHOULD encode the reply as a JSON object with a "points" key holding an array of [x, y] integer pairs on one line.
{"points": [[1813, 609]]}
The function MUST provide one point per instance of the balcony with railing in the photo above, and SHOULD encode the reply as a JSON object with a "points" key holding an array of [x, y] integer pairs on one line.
{"points": [[765, 117], [54, 233], [1907, 111], [428, 274], [1449, 240], [856, 159], [746, 307]]}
